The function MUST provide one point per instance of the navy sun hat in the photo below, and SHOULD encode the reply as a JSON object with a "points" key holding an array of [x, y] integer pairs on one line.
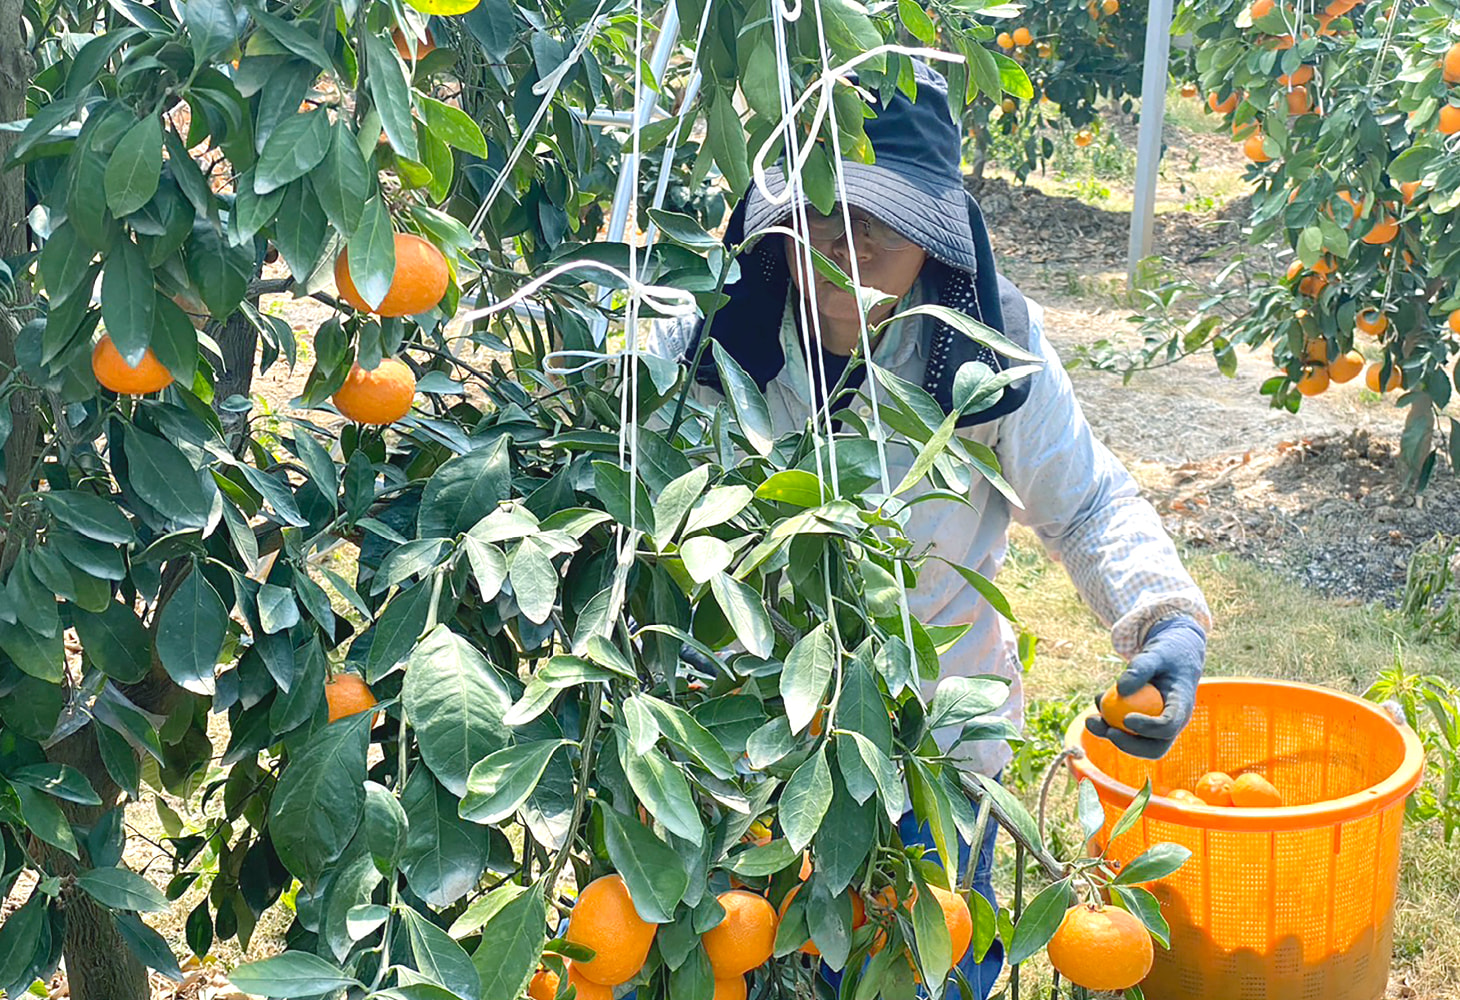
{"points": [[916, 184]]}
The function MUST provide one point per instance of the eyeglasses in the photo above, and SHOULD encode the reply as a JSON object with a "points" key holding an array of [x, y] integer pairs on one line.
{"points": [[867, 233]]}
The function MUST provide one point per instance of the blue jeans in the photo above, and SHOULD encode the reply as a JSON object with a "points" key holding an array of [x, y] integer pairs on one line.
{"points": [[981, 976]]}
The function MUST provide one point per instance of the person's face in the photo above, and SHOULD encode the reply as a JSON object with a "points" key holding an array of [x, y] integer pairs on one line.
{"points": [[886, 261]]}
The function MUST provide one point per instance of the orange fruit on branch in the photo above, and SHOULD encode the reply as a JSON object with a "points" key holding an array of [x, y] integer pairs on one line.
{"points": [[605, 920], [587, 988], [1299, 102], [1313, 285], [1449, 120], [745, 938], [1372, 322], [1144, 701], [1313, 381], [1374, 374], [419, 280], [381, 395], [1345, 367], [1005, 40], [1253, 148], [1215, 788], [1409, 189], [1101, 948], [1298, 77], [1260, 8], [1451, 64], [149, 374], [1109, 7], [1084, 137], [730, 988], [958, 919], [1253, 791], [1316, 351], [1383, 230], [346, 695], [1222, 107], [1009, 106], [1044, 49], [544, 985], [1454, 322], [1023, 36], [1189, 90]]}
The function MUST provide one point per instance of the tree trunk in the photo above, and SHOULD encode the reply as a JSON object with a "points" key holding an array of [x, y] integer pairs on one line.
{"points": [[239, 341], [99, 965], [15, 70]]}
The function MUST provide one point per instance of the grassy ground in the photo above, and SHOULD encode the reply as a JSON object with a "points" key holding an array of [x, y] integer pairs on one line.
{"points": [[1264, 626]]}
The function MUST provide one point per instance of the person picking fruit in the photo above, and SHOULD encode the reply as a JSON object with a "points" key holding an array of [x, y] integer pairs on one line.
{"points": [[908, 228]]}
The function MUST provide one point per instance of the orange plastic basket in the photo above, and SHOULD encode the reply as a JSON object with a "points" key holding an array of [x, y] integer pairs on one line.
{"points": [[1294, 903]]}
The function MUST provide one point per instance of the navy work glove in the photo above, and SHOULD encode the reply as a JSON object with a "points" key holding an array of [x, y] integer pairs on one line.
{"points": [[1171, 660]]}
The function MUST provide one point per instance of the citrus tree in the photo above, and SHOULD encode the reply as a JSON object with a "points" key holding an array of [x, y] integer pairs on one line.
{"points": [[591, 629], [1348, 114]]}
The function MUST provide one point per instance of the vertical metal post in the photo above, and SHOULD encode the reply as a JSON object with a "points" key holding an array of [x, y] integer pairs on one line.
{"points": [[1148, 146], [648, 103]]}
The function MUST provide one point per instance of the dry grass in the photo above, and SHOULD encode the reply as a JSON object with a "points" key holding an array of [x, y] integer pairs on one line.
{"points": [[1264, 626]]}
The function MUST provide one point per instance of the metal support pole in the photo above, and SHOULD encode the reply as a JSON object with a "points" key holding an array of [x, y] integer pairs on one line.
{"points": [[1148, 146], [623, 193]]}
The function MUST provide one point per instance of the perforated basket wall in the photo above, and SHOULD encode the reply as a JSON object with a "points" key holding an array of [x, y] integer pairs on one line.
{"points": [[1294, 903]]}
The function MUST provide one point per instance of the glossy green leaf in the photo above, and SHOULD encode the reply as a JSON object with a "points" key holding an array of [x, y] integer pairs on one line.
{"points": [[342, 182], [444, 855], [455, 700], [705, 557], [21, 934], [1132, 812], [511, 945], [397, 629], [959, 700], [464, 490], [190, 631], [746, 401], [1156, 862], [213, 27], [652, 870], [664, 792], [320, 797], [219, 272], [59, 780], [45, 819], [292, 974], [371, 253], [439, 958], [1040, 920], [92, 516], [930, 930], [127, 299], [805, 799], [133, 169], [805, 675], [296, 147], [674, 502], [746, 612], [120, 889], [500, 783], [454, 127], [302, 231], [391, 93], [1092, 813], [40, 656], [1146, 908]]}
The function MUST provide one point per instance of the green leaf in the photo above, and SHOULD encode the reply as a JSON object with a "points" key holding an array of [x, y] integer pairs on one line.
{"points": [[454, 127], [91, 515], [745, 611], [45, 819], [127, 299], [320, 797], [1146, 908], [174, 339], [685, 732], [861, 708], [59, 780], [716, 507], [292, 974], [705, 557], [725, 140], [148, 945], [500, 783], [219, 272], [190, 633], [916, 21], [930, 930], [805, 799], [455, 700], [1013, 809], [397, 629], [761, 861], [769, 743], [511, 945], [626, 500], [419, 556], [805, 675], [662, 789], [162, 475], [444, 854], [794, 486], [391, 93], [850, 32], [134, 168], [675, 501], [120, 889], [371, 253], [984, 586], [21, 935], [1156, 862], [959, 700], [301, 231], [296, 147], [1040, 920], [877, 764], [684, 229], [439, 958], [747, 403], [213, 27], [970, 328], [41, 657], [653, 872], [342, 182], [351, 885], [534, 581], [464, 490], [293, 38], [1132, 812]]}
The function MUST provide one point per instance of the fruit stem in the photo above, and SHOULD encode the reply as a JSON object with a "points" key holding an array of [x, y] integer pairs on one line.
{"points": [[1044, 786], [975, 846], [580, 794]]}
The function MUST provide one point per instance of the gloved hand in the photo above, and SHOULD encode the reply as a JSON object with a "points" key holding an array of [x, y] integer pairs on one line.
{"points": [[1171, 660]]}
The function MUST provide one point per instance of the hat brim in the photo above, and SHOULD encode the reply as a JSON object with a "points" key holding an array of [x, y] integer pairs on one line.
{"points": [[934, 217]]}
